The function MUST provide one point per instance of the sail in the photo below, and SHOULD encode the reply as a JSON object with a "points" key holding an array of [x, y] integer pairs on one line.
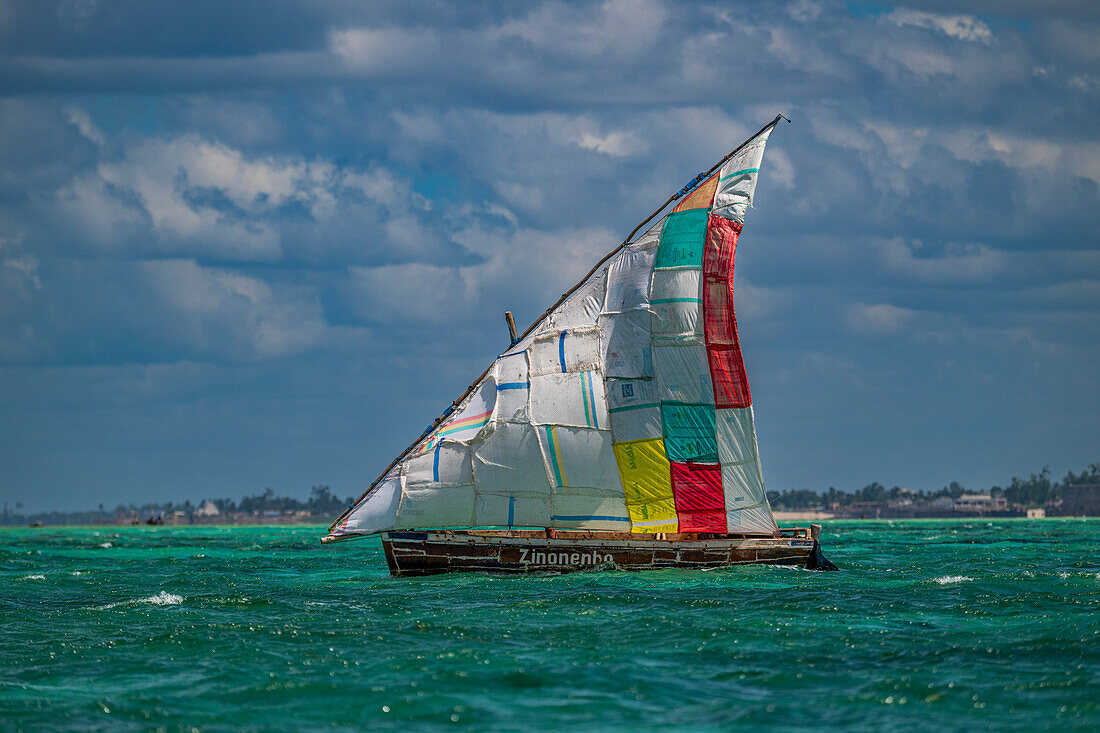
{"points": [[625, 408]]}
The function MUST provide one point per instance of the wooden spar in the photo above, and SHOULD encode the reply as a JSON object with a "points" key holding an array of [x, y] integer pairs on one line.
{"points": [[686, 189], [511, 326]]}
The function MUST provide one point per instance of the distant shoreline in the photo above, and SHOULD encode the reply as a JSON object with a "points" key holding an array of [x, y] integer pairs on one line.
{"points": [[782, 517], [827, 517]]}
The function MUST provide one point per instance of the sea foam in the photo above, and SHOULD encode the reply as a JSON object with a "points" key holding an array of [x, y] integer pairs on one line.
{"points": [[948, 579], [163, 599]]}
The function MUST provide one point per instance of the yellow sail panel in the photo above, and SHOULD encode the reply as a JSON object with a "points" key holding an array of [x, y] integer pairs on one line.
{"points": [[647, 485]]}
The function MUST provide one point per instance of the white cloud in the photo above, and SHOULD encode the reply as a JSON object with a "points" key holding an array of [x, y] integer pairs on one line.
{"points": [[526, 270], [429, 295], [890, 57], [959, 262], [99, 213], [26, 266], [962, 27], [618, 144], [617, 29], [804, 11], [83, 122], [219, 314], [370, 49], [192, 196], [20, 283], [880, 319]]}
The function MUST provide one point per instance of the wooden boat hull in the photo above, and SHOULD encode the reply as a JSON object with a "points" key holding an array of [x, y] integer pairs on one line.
{"points": [[414, 553]]}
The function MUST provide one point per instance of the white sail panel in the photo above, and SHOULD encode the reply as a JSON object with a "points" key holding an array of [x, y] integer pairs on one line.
{"points": [[576, 350], [737, 180], [757, 520], [447, 464], [742, 479], [509, 461], [509, 510], [575, 399], [376, 511], [579, 457], [677, 304], [628, 278], [581, 308], [683, 373], [627, 344], [469, 420], [590, 508], [513, 385], [452, 506], [634, 409]]}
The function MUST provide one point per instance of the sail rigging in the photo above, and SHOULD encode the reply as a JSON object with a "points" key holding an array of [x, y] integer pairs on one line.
{"points": [[624, 407]]}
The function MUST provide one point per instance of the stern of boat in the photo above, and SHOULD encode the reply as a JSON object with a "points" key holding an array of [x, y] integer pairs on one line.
{"points": [[817, 559]]}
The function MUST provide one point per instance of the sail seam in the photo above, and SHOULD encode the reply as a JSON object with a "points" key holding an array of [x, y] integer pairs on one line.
{"points": [[635, 407], [583, 517]]}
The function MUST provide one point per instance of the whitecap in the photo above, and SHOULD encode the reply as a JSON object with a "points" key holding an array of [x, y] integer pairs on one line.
{"points": [[948, 579], [104, 545], [163, 599], [34, 577]]}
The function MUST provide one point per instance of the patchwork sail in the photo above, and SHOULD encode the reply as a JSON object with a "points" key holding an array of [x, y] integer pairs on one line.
{"points": [[625, 408]]}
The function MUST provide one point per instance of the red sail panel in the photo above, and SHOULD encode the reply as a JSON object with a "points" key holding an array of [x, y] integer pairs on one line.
{"points": [[719, 327], [721, 245], [727, 368], [727, 371], [700, 502]]}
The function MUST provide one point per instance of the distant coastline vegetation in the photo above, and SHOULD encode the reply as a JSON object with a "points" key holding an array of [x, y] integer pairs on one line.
{"points": [[262, 508], [1076, 494]]}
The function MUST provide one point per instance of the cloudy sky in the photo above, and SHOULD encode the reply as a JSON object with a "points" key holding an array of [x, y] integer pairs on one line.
{"points": [[264, 243]]}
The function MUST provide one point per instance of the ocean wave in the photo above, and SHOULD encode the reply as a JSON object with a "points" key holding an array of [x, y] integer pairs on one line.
{"points": [[33, 577], [163, 599], [949, 579]]}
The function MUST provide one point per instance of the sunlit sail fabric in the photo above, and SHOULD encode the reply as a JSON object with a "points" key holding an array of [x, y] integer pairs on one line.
{"points": [[627, 408]]}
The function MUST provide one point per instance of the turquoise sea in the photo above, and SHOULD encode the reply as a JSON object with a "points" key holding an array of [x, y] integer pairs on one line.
{"points": [[947, 625]]}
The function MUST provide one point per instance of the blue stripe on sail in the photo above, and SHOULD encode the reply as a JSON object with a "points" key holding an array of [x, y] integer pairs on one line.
{"points": [[592, 400], [511, 510], [514, 385], [581, 518], [561, 350], [435, 466]]}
